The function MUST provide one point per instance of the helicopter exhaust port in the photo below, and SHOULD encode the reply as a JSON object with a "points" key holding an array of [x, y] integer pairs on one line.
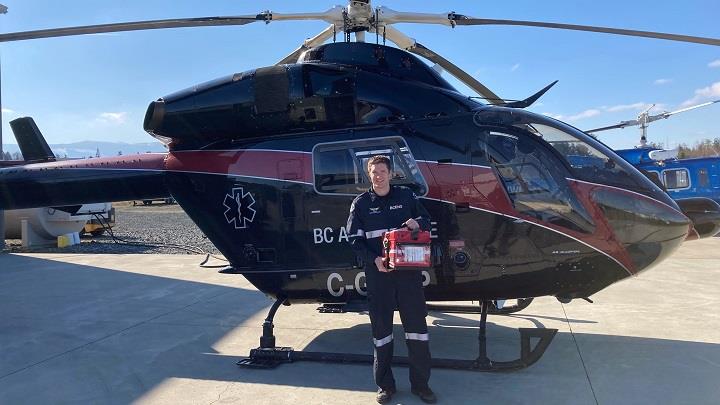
{"points": [[154, 116]]}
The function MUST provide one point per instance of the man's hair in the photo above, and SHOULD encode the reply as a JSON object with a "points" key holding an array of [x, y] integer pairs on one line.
{"points": [[379, 159]]}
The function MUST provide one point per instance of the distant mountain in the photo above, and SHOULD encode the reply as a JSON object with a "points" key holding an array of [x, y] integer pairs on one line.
{"points": [[90, 148]]}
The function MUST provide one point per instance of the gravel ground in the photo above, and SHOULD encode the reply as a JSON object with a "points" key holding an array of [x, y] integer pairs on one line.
{"points": [[157, 224]]}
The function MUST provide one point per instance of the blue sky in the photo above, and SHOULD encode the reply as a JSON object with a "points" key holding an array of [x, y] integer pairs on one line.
{"points": [[98, 87]]}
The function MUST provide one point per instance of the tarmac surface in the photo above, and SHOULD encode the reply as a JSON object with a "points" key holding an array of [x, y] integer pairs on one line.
{"points": [[80, 328]]}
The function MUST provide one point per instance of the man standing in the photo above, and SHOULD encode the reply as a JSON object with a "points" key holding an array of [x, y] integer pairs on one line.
{"points": [[372, 213]]}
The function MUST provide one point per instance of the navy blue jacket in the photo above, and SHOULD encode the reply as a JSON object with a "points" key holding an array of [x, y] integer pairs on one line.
{"points": [[371, 215]]}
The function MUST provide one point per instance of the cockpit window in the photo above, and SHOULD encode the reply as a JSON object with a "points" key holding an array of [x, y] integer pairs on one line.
{"points": [[340, 166], [535, 184], [587, 162], [579, 155]]}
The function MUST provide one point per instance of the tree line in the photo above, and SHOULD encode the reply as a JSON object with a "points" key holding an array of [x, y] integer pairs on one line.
{"points": [[702, 148], [19, 156]]}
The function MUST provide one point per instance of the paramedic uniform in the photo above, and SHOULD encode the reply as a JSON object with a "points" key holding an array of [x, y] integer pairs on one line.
{"points": [[370, 216]]}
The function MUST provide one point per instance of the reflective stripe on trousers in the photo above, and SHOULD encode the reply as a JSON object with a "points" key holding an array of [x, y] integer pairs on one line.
{"points": [[383, 341], [417, 336]]}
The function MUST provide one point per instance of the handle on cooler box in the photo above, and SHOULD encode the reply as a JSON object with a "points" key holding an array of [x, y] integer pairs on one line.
{"points": [[414, 233]]}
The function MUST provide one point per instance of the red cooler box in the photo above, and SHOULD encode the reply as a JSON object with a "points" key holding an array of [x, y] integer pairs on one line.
{"points": [[406, 250]]}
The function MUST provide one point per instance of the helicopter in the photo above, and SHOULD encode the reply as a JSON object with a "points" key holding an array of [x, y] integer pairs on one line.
{"points": [[266, 163]]}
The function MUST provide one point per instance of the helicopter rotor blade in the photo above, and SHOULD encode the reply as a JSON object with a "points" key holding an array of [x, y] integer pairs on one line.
{"points": [[622, 124], [668, 114], [333, 15], [651, 118], [464, 20], [323, 36], [132, 26], [389, 16], [410, 45]]}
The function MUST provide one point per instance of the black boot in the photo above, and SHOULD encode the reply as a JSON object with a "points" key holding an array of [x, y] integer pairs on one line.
{"points": [[426, 395], [384, 395]]}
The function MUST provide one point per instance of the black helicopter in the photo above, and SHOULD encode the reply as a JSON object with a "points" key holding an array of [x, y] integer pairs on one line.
{"points": [[266, 163]]}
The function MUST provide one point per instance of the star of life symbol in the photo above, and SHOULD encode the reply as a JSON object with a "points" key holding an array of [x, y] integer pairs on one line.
{"points": [[238, 210]]}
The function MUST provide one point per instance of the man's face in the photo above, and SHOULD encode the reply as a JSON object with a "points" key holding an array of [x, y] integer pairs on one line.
{"points": [[380, 176]]}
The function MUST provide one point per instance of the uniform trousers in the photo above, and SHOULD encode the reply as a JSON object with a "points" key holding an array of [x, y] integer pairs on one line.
{"points": [[401, 290]]}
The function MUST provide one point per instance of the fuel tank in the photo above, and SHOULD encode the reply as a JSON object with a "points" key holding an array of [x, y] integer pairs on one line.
{"points": [[47, 222]]}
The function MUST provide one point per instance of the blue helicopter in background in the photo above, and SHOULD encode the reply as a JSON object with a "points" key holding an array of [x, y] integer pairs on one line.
{"points": [[691, 182], [681, 178]]}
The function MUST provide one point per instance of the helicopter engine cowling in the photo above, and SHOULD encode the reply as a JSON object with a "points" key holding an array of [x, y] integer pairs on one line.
{"points": [[335, 86]]}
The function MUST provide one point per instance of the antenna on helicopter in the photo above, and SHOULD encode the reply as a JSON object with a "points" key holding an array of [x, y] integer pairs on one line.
{"points": [[644, 119]]}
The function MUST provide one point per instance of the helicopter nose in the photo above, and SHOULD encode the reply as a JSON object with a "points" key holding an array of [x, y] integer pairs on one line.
{"points": [[647, 229]]}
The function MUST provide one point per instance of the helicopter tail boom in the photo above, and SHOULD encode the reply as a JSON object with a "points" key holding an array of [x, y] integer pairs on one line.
{"points": [[72, 182]]}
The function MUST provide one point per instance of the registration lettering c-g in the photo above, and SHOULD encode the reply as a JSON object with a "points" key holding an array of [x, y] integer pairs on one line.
{"points": [[336, 286]]}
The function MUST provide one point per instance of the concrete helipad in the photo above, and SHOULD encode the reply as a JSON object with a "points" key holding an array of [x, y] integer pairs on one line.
{"points": [[159, 329]]}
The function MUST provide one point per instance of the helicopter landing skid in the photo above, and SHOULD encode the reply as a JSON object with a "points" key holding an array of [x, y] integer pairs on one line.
{"points": [[268, 356]]}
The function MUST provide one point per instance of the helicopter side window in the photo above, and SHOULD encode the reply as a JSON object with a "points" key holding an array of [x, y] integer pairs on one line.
{"points": [[339, 167], [533, 180], [676, 179], [703, 178]]}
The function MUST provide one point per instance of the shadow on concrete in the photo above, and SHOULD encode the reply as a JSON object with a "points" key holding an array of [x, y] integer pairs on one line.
{"points": [[100, 335], [621, 369]]}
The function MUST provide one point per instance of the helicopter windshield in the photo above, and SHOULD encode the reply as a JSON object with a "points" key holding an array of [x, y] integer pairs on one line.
{"points": [[589, 159], [535, 185]]}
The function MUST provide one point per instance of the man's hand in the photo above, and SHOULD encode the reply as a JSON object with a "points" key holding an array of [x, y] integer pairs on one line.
{"points": [[412, 224], [381, 266]]}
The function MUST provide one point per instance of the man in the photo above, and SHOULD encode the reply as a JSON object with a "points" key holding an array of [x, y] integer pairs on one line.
{"points": [[373, 212]]}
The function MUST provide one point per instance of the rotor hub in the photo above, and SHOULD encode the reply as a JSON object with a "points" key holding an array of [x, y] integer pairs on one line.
{"points": [[359, 15]]}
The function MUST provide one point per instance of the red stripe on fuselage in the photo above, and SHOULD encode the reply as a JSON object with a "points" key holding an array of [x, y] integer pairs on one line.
{"points": [[476, 186], [276, 165]]}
